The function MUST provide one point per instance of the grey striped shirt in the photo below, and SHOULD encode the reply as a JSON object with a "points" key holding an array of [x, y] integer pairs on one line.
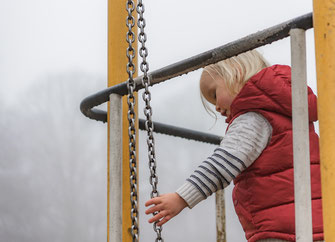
{"points": [[244, 141]]}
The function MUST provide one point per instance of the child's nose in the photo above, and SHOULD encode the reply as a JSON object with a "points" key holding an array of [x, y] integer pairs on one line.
{"points": [[217, 108]]}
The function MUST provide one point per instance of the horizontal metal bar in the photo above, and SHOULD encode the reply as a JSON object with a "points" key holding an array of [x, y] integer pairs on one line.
{"points": [[183, 133], [234, 48], [231, 49]]}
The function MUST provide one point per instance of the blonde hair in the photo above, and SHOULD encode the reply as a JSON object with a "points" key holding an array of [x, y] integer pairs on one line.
{"points": [[236, 71]]}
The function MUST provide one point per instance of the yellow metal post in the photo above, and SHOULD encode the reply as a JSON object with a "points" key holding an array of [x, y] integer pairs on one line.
{"points": [[117, 61], [324, 29]]}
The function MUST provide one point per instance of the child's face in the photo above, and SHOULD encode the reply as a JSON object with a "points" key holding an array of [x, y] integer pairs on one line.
{"points": [[214, 90]]}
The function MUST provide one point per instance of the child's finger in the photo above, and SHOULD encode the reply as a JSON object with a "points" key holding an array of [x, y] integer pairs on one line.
{"points": [[155, 201], [153, 209], [157, 217], [164, 220]]}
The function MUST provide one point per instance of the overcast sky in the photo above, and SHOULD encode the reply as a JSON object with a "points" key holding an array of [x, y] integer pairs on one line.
{"points": [[44, 37]]}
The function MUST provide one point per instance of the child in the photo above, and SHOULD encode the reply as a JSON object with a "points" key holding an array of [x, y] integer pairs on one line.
{"points": [[256, 152]]}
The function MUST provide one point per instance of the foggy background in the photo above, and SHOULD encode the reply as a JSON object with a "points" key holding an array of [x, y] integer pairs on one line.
{"points": [[53, 160]]}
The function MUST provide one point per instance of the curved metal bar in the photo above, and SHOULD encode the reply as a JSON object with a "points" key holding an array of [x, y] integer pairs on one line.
{"points": [[234, 48], [86, 106], [231, 49]]}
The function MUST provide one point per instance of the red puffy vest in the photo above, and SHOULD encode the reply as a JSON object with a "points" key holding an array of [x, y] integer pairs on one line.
{"points": [[263, 195]]}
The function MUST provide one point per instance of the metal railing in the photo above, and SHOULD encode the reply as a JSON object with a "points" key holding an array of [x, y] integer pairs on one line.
{"points": [[249, 42]]}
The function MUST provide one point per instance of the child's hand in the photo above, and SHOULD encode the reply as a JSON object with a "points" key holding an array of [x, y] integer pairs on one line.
{"points": [[167, 205]]}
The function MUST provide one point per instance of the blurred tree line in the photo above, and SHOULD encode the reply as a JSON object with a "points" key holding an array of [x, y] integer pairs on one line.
{"points": [[52, 163]]}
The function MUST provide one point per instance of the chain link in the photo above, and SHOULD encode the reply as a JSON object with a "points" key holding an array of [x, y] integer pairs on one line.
{"points": [[130, 22], [144, 66]]}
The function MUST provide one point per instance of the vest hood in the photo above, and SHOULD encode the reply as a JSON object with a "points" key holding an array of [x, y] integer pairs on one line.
{"points": [[270, 90]]}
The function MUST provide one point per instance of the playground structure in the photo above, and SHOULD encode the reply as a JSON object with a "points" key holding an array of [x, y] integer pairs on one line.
{"points": [[118, 183]]}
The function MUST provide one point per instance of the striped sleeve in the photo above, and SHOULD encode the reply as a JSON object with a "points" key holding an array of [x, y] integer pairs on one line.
{"points": [[244, 141]]}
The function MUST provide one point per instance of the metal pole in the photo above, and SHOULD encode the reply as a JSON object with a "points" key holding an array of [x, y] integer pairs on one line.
{"points": [[301, 159], [115, 169], [117, 62], [324, 20], [220, 216]]}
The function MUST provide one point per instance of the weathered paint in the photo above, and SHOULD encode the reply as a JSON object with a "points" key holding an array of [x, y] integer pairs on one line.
{"points": [[301, 158], [117, 62], [324, 30], [115, 168]]}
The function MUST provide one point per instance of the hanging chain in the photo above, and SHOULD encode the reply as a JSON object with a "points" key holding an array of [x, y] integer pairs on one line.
{"points": [[143, 51], [131, 118]]}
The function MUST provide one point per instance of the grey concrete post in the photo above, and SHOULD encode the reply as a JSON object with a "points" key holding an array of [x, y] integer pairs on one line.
{"points": [[115, 169], [301, 160]]}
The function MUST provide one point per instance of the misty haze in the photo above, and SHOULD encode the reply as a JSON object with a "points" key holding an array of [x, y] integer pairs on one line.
{"points": [[53, 159]]}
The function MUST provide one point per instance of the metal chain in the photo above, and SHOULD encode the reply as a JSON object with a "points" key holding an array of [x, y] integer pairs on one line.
{"points": [[143, 51], [131, 118]]}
